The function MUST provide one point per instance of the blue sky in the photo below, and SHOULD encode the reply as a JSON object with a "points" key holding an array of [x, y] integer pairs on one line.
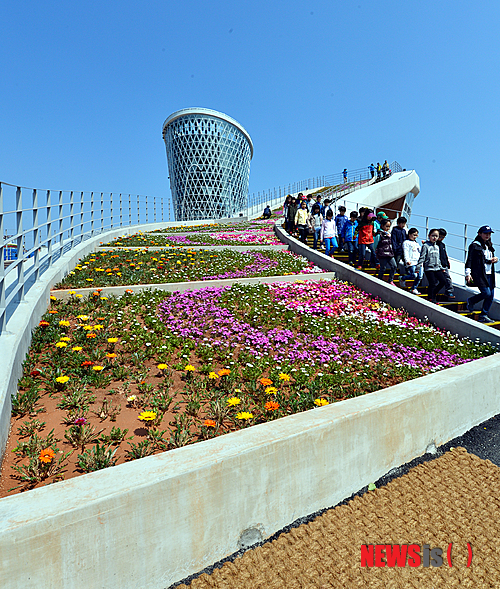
{"points": [[86, 86]]}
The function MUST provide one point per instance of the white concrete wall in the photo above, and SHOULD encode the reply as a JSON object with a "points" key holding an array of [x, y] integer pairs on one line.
{"points": [[151, 522]]}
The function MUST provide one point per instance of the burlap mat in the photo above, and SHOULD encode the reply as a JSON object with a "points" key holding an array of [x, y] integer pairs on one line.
{"points": [[453, 498]]}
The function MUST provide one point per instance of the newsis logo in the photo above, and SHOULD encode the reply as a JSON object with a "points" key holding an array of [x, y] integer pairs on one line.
{"points": [[401, 555]]}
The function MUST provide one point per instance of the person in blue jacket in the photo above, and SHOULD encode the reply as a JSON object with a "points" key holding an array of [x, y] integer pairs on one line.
{"points": [[348, 237], [371, 167]]}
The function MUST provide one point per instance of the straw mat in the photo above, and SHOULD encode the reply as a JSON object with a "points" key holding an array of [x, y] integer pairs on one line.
{"points": [[454, 498]]}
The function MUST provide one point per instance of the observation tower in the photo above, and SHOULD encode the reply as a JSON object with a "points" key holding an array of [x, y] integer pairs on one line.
{"points": [[208, 156]]}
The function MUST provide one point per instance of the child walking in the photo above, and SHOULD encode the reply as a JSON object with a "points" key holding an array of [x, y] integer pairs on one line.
{"points": [[328, 233], [315, 220], [348, 235], [385, 253], [430, 260], [411, 255]]}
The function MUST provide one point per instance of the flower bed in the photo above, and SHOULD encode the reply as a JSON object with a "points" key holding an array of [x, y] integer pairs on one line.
{"points": [[114, 379], [248, 237], [119, 268]]}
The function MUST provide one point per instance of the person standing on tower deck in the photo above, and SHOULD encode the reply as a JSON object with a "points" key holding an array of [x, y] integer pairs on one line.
{"points": [[379, 171], [480, 268], [371, 167], [344, 174]]}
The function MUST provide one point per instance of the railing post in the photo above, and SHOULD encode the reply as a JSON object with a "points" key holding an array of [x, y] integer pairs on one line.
{"points": [[48, 207], [112, 207], [36, 236], [138, 210], [92, 203], [147, 211], [81, 216], [121, 210], [3, 247], [20, 245], [154, 208], [129, 210], [426, 227], [102, 212], [71, 218], [60, 210], [465, 243]]}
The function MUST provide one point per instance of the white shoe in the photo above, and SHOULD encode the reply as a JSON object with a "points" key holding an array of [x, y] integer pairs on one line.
{"points": [[415, 291]]}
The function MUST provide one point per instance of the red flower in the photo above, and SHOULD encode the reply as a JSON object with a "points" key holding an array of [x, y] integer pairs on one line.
{"points": [[35, 373], [44, 323], [87, 363]]}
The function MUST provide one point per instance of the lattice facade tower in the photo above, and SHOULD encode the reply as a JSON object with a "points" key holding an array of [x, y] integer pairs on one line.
{"points": [[208, 157]]}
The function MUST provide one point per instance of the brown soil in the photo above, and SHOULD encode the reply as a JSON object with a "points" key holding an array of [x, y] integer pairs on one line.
{"points": [[453, 499]]}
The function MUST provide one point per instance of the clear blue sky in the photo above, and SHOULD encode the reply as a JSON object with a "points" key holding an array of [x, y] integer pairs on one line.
{"points": [[319, 85]]}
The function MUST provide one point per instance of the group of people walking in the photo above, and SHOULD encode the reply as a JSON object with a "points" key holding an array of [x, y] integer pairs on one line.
{"points": [[366, 234]]}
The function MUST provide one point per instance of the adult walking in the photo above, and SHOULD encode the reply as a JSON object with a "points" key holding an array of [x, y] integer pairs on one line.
{"points": [[480, 268], [371, 167]]}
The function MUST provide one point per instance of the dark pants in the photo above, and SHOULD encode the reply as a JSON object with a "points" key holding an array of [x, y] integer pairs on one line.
{"points": [[362, 251], [436, 282], [303, 231], [353, 250], [387, 264], [485, 294]]}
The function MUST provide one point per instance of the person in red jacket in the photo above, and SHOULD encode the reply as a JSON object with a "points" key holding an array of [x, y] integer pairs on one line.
{"points": [[365, 238]]}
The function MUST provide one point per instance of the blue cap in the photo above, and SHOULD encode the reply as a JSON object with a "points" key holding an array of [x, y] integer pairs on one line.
{"points": [[485, 229]]}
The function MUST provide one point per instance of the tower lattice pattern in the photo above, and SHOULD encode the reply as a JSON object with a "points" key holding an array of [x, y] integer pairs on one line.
{"points": [[208, 157]]}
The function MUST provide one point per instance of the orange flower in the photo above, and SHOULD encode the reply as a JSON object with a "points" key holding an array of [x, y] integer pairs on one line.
{"points": [[224, 372], [46, 455], [44, 323], [91, 335], [266, 382], [272, 406], [209, 423]]}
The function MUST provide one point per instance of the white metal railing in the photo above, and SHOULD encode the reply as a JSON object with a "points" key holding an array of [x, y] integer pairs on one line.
{"points": [[33, 236]]}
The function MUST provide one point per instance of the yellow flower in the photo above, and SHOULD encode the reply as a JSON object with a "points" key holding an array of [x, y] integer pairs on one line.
{"points": [[64, 323], [111, 356], [213, 375], [233, 401], [65, 339], [147, 416], [72, 292], [87, 327], [244, 415], [112, 340], [98, 327], [161, 366], [271, 390], [89, 279], [285, 377], [61, 344], [77, 349], [79, 296], [320, 402], [62, 379], [189, 368], [98, 368], [131, 398], [82, 317], [53, 298]]}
